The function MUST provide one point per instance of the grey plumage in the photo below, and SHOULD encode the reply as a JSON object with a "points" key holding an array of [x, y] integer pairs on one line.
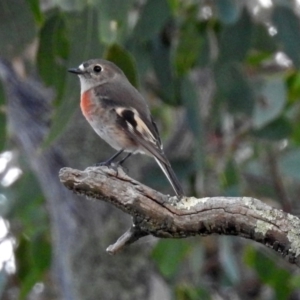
{"points": [[119, 114]]}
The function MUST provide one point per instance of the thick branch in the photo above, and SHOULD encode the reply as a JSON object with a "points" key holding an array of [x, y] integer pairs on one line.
{"points": [[159, 215]]}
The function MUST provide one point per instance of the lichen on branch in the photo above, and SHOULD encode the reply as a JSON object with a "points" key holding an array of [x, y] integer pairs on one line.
{"points": [[164, 217]]}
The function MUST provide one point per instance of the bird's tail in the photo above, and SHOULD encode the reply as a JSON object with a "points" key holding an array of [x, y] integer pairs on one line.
{"points": [[168, 171]]}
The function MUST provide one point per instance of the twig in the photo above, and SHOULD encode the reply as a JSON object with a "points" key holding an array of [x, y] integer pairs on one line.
{"points": [[130, 236]]}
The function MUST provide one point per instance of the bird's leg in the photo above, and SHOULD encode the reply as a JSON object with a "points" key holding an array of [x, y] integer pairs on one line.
{"points": [[110, 160], [120, 162]]}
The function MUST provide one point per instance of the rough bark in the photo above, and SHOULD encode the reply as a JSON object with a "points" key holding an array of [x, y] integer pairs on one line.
{"points": [[162, 216]]}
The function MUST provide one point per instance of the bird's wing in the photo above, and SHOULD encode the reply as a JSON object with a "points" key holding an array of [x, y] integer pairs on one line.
{"points": [[142, 131]]}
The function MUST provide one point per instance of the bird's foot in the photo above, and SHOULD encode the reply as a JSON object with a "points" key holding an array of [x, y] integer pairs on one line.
{"points": [[120, 164], [103, 164], [108, 164], [112, 165]]}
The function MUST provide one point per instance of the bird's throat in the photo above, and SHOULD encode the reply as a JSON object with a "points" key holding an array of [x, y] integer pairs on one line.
{"points": [[86, 104]]}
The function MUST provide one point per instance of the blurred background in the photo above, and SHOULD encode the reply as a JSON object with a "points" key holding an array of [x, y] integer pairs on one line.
{"points": [[223, 82]]}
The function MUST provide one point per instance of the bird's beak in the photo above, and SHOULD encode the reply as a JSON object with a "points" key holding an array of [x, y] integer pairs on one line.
{"points": [[76, 71]]}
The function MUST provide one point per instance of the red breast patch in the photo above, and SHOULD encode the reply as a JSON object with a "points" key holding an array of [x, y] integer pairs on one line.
{"points": [[86, 103]]}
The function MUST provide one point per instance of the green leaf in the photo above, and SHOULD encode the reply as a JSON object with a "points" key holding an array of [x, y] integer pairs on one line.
{"points": [[189, 45], [205, 57], [27, 273], [153, 17], [53, 52], [41, 252], [288, 32], [267, 270], [36, 10], [191, 102], [262, 40], [142, 54], [168, 255], [17, 28], [293, 84], [271, 101], [228, 10], [295, 137], [23, 258], [230, 176], [295, 281], [33, 259], [124, 60], [113, 19], [187, 292], [29, 205], [161, 60], [82, 33], [236, 39], [289, 164], [257, 58], [174, 5], [234, 88], [278, 129]]}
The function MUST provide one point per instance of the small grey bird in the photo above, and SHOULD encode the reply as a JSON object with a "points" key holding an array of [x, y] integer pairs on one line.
{"points": [[120, 115]]}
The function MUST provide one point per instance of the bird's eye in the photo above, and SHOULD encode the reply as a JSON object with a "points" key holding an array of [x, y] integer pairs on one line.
{"points": [[97, 69]]}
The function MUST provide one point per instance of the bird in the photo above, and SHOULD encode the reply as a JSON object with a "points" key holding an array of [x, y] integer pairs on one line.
{"points": [[119, 114]]}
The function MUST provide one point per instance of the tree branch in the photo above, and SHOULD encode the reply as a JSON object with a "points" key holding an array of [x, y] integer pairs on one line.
{"points": [[160, 215]]}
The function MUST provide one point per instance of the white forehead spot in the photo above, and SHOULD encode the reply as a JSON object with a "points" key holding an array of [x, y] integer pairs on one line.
{"points": [[81, 67]]}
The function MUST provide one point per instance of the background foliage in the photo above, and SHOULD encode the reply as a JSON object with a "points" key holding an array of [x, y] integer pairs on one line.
{"points": [[223, 82]]}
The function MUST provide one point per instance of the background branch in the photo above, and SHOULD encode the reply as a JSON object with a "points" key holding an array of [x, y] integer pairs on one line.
{"points": [[160, 215]]}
